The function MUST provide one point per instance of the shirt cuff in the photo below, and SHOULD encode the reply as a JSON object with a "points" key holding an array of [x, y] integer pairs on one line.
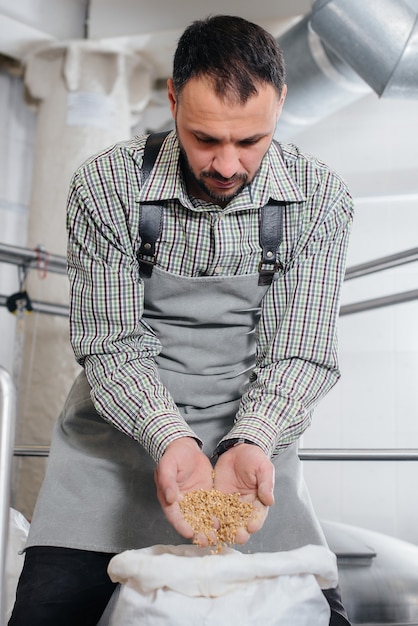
{"points": [[161, 429], [254, 429], [227, 444]]}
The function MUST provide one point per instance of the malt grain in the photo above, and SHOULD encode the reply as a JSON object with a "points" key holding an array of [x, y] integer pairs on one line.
{"points": [[200, 507]]}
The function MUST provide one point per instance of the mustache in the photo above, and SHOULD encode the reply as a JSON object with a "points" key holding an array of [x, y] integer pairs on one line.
{"points": [[232, 179]]}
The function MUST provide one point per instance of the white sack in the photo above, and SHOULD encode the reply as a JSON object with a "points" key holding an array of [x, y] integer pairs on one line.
{"points": [[18, 534], [187, 585]]}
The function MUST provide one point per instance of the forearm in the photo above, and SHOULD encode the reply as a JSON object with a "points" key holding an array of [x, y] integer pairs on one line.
{"points": [[109, 338], [129, 395], [297, 360], [278, 406]]}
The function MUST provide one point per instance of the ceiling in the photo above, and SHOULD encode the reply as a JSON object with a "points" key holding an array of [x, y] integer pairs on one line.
{"points": [[153, 27]]}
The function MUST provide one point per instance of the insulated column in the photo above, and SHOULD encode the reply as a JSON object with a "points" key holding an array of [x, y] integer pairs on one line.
{"points": [[88, 95]]}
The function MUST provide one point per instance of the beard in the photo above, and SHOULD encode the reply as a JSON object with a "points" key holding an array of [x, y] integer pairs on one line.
{"points": [[200, 180]]}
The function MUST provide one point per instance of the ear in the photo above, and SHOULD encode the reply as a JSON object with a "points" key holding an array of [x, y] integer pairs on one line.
{"points": [[172, 99], [281, 101]]}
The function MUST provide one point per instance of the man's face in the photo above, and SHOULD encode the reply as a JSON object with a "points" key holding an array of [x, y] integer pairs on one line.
{"points": [[222, 142]]}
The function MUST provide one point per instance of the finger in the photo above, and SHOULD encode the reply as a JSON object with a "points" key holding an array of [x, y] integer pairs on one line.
{"points": [[176, 519], [171, 495], [258, 518], [208, 538], [168, 499], [266, 493], [266, 489], [242, 536], [167, 489]]}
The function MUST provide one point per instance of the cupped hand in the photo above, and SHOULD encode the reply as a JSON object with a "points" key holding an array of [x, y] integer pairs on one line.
{"points": [[245, 469], [182, 468]]}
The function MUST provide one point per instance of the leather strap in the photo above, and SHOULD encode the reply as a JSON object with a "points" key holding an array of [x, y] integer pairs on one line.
{"points": [[151, 215], [151, 220], [271, 235], [152, 148]]}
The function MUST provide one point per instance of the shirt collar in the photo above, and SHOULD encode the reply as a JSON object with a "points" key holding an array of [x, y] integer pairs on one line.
{"points": [[272, 180]]}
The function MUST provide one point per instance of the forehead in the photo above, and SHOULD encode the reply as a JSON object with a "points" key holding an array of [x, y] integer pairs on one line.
{"points": [[200, 108]]}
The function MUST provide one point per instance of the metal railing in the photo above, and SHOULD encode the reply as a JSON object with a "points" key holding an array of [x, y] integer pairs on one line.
{"points": [[43, 307], [305, 454], [377, 303], [383, 263], [379, 265], [29, 259], [7, 441], [358, 454]]}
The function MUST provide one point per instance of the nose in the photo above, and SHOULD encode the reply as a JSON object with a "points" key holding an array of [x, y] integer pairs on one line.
{"points": [[226, 161]]}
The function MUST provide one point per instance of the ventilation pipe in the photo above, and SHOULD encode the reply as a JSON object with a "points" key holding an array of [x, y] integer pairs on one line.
{"points": [[319, 83], [342, 51], [377, 38]]}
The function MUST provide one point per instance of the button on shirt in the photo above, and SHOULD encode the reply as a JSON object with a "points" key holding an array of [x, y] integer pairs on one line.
{"points": [[296, 358]]}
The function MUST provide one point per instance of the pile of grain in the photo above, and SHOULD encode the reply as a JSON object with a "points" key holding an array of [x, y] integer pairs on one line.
{"points": [[200, 507]]}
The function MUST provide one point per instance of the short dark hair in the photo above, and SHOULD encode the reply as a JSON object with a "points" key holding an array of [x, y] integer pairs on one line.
{"points": [[236, 55]]}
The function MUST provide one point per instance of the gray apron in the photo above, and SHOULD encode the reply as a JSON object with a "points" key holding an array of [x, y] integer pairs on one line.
{"points": [[99, 492]]}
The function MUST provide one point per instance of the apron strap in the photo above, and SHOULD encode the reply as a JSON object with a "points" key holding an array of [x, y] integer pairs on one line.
{"points": [[151, 220], [271, 235], [151, 215]]}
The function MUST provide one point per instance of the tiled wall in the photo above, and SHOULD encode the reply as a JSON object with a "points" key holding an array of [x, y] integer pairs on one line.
{"points": [[375, 404]]}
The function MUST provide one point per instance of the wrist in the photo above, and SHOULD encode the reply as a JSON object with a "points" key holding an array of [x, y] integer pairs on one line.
{"points": [[192, 442], [227, 444]]}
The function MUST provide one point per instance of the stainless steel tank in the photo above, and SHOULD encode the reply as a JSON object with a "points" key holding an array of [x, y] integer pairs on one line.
{"points": [[378, 575]]}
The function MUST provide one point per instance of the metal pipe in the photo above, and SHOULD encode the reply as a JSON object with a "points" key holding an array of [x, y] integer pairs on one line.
{"points": [[377, 303], [358, 454], [31, 451], [383, 263], [347, 309], [7, 440], [378, 39], [31, 258], [314, 75], [305, 454], [340, 52], [43, 307], [28, 257], [16, 255]]}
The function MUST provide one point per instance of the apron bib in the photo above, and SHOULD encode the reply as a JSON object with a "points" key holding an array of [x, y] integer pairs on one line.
{"points": [[99, 492]]}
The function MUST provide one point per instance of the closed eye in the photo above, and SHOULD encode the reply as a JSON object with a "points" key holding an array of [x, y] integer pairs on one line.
{"points": [[207, 140], [249, 142]]}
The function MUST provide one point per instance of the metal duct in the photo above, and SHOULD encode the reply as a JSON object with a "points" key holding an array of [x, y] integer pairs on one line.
{"points": [[377, 38], [319, 82], [341, 51]]}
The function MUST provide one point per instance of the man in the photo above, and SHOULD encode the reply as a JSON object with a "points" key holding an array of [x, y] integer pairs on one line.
{"points": [[203, 337]]}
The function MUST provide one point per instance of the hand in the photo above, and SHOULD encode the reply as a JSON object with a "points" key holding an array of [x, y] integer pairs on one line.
{"points": [[245, 469], [183, 467]]}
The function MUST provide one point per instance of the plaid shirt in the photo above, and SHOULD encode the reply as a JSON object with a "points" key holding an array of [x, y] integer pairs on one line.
{"points": [[296, 355]]}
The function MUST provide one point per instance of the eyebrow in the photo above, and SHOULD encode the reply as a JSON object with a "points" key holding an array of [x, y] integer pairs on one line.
{"points": [[203, 135]]}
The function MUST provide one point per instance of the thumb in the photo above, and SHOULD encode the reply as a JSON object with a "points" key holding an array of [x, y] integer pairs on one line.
{"points": [[167, 489], [266, 489], [171, 494]]}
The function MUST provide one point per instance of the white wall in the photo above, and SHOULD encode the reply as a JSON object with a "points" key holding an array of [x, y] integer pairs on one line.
{"points": [[375, 405]]}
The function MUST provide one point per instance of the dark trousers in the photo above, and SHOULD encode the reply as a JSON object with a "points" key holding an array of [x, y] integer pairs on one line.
{"points": [[66, 587], [62, 587]]}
